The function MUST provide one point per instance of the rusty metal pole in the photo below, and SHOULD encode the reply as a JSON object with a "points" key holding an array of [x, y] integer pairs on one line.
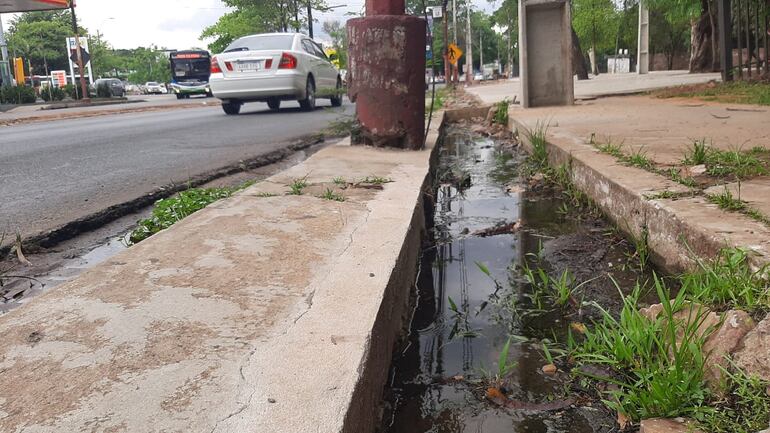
{"points": [[387, 75]]}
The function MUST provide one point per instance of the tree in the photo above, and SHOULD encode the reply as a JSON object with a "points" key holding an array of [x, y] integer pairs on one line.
{"points": [[41, 38], [595, 22], [506, 18], [703, 31], [339, 35], [668, 35], [149, 64], [259, 16]]}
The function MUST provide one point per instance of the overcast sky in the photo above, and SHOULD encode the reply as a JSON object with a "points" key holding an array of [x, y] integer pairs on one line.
{"points": [[174, 23]]}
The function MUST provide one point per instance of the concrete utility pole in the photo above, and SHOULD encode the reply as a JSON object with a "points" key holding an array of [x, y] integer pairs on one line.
{"points": [[454, 21], [387, 75], [469, 50], [5, 71], [83, 87], [643, 47], [481, 52]]}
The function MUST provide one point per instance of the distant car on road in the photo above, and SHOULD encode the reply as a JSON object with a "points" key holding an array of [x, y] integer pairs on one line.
{"points": [[153, 88], [117, 89], [271, 68]]}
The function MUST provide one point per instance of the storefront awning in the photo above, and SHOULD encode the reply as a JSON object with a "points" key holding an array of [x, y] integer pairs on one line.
{"points": [[9, 6]]}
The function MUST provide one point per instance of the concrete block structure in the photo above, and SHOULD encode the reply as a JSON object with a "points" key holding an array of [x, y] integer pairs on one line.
{"points": [[545, 53]]}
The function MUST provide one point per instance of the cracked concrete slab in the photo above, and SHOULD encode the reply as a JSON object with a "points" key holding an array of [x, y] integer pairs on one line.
{"points": [[261, 313]]}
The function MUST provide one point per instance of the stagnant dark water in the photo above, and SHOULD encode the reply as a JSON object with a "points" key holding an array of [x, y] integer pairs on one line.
{"points": [[436, 380]]}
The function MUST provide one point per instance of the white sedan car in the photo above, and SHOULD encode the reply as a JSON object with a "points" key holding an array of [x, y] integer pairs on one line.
{"points": [[272, 68]]}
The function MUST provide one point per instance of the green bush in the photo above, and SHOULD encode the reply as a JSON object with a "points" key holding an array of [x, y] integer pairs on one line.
{"points": [[17, 95], [69, 89], [52, 94]]}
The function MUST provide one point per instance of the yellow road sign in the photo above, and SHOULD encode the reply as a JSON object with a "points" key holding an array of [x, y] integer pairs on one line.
{"points": [[454, 54]]}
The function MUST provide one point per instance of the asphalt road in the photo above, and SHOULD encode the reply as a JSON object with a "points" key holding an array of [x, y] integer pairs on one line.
{"points": [[55, 172]]}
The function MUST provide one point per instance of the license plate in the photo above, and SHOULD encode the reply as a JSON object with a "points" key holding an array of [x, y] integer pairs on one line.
{"points": [[249, 66]]}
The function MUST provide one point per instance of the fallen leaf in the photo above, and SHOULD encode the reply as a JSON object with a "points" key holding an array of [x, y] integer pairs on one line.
{"points": [[622, 420], [578, 327], [494, 393]]}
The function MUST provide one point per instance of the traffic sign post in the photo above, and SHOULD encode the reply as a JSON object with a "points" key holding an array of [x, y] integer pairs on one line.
{"points": [[454, 54]]}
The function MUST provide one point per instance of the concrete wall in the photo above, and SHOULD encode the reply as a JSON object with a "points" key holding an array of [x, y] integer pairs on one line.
{"points": [[546, 53]]}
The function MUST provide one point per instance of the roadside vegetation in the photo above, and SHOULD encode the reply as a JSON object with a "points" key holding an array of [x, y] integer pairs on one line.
{"points": [[169, 211], [644, 365], [736, 92]]}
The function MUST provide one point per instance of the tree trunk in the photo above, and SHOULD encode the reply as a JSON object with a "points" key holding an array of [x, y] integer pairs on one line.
{"points": [[701, 54], [578, 59]]}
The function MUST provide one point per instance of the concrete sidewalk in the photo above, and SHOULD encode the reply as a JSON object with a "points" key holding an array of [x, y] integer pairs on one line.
{"points": [[264, 312], [662, 131], [602, 85]]}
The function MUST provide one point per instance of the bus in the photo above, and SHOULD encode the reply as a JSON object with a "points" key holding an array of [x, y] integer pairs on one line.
{"points": [[190, 72]]}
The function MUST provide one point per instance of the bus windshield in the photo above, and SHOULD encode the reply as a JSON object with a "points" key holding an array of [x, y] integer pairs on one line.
{"points": [[190, 67]]}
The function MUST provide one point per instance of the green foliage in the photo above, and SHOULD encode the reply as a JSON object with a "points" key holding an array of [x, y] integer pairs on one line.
{"points": [[329, 194], [725, 200], [339, 35], [729, 282], [537, 139], [596, 23], [722, 163], [659, 361], [698, 153], [148, 64], [73, 92], [736, 92], [17, 95], [746, 408], [297, 185], [501, 113], [51, 94], [170, 210], [258, 16], [40, 37]]}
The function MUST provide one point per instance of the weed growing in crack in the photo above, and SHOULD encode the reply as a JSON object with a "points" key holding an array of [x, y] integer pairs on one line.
{"points": [[339, 181], [329, 194], [698, 153], [639, 159], [376, 180], [610, 148], [266, 194], [726, 201], [724, 163], [676, 175], [297, 185]]}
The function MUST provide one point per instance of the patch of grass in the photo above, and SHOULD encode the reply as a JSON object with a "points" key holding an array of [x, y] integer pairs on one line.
{"points": [[342, 126], [501, 113], [726, 201], [376, 180], [329, 194], [339, 180], [297, 185], [745, 409], [266, 194], [675, 175], [666, 195], [537, 138], [739, 92], [639, 159], [560, 291], [729, 282], [438, 101], [610, 148], [658, 362], [698, 153], [723, 163], [170, 210]]}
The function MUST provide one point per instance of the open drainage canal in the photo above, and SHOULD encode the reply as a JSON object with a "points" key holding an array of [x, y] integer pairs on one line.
{"points": [[474, 299]]}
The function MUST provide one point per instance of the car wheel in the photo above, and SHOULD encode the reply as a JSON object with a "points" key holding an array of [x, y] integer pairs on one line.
{"points": [[308, 104], [179, 96], [231, 107], [337, 98], [274, 104]]}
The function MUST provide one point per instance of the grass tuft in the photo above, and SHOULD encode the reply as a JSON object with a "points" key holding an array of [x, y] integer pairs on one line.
{"points": [[329, 194], [297, 185]]}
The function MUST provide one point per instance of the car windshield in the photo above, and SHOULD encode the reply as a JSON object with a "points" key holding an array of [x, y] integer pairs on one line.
{"points": [[262, 42]]}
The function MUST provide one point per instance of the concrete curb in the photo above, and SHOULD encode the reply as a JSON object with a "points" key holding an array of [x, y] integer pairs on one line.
{"points": [[676, 229], [263, 312]]}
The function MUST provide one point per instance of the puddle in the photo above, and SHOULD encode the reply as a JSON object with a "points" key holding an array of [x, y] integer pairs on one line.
{"points": [[436, 381]]}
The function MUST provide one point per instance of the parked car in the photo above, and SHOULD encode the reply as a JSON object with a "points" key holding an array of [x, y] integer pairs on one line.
{"points": [[117, 89], [272, 68], [153, 88]]}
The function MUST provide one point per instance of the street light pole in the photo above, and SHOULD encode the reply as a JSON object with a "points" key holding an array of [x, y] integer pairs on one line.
{"points": [[83, 87]]}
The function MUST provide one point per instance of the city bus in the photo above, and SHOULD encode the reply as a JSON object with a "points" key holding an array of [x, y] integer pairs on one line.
{"points": [[190, 72]]}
